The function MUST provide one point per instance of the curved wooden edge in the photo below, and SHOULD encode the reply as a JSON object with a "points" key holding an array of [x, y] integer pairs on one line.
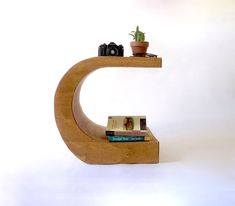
{"points": [[92, 129], [85, 138]]}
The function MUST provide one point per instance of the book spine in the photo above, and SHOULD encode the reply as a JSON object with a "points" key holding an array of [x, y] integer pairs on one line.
{"points": [[127, 133], [128, 138]]}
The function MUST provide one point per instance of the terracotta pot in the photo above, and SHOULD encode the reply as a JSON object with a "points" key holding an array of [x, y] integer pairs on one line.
{"points": [[139, 49]]}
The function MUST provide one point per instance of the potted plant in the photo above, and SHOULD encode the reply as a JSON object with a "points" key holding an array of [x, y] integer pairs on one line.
{"points": [[139, 45]]}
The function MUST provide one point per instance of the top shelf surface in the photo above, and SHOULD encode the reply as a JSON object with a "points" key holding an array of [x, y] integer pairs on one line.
{"points": [[108, 61]]}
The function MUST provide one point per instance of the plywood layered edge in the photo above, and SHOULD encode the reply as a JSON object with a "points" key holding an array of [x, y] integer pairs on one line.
{"points": [[85, 138]]}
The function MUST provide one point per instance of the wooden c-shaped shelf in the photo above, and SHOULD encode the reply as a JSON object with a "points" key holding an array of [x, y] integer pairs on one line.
{"points": [[85, 138]]}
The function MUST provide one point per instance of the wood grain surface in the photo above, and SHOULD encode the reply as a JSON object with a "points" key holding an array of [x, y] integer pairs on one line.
{"points": [[85, 138]]}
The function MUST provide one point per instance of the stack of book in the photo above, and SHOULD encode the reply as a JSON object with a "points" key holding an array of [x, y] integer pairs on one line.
{"points": [[127, 129]]}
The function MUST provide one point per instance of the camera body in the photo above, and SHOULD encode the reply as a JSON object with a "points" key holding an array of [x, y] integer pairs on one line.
{"points": [[110, 50]]}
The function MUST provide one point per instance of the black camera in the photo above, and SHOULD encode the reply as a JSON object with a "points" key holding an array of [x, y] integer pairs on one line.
{"points": [[110, 50]]}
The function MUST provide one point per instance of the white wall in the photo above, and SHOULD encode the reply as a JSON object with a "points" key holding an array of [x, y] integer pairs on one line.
{"points": [[196, 41], [189, 103]]}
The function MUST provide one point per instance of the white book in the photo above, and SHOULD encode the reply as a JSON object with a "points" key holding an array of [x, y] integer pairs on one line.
{"points": [[126, 125]]}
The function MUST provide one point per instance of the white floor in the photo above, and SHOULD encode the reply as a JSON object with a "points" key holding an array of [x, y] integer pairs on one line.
{"points": [[197, 167]]}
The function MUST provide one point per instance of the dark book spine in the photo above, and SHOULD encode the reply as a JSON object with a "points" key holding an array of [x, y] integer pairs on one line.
{"points": [[109, 133], [126, 133]]}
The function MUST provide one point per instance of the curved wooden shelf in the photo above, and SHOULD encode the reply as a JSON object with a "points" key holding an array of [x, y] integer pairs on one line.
{"points": [[85, 138]]}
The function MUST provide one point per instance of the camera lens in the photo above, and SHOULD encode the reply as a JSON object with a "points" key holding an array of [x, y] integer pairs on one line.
{"points": [[112, 51]]}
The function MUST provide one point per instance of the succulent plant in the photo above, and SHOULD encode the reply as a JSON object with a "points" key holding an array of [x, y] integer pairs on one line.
{"points": [[138, 35]]}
